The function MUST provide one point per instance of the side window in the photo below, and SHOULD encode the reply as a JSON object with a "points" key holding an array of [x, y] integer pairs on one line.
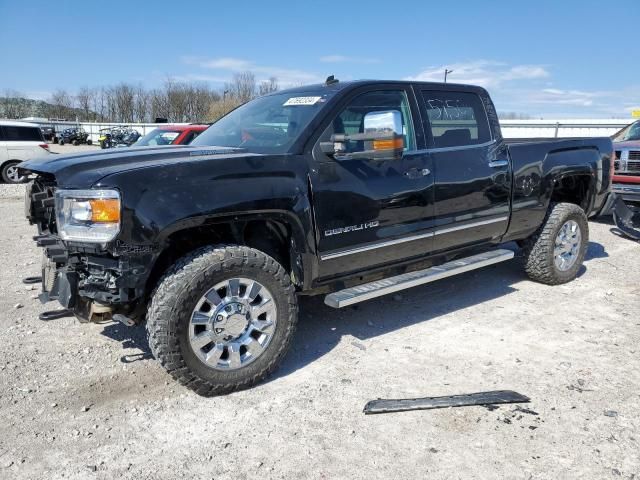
{"points": [[455, 119], [373, 111], [22, 134]]}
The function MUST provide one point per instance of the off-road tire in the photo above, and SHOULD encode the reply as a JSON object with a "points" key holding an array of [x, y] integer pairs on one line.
{"points": [[538, 249], [175, 297]]}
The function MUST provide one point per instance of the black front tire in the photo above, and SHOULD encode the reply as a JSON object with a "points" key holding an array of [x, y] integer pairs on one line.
{"points": [[174, 299], [539, 249]]}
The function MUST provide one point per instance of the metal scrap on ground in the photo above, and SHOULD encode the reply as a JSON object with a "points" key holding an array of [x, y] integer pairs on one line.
{"points": [[427, 403]]}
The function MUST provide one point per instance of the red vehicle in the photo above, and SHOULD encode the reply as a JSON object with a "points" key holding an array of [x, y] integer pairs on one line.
{"points": [[626, 179], [171, 135]]}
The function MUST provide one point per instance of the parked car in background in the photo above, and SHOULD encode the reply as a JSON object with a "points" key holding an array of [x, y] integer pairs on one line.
{"points": [[76, 136], [19, 141], [171, 135], [626, 179]]}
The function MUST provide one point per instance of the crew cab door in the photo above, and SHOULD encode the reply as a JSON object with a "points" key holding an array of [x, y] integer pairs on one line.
{"points": [[471, 169], [371, 209]]}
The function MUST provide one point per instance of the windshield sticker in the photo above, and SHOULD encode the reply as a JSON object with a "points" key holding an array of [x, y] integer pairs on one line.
{"points": [[301, 101]]}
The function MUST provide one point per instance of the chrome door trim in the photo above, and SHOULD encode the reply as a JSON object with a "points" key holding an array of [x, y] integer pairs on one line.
{"points": [[374, 246], [442, 231], [455, 149], [388, 243]]}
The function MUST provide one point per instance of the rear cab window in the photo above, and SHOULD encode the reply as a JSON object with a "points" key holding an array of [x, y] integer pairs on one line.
{"points": [[454, 119], [14, 133]]}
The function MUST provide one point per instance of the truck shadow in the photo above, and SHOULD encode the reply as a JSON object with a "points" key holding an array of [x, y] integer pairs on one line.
{"points": [[321, 328], [134, 338]]}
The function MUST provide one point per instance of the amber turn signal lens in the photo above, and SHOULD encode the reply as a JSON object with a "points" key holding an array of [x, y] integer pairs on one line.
{"points": [[105, 210], [391, 144]]}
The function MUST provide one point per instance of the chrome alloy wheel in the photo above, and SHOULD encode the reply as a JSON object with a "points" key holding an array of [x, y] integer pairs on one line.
{"points": [[567, 245], [13, 174], [232, 324]]}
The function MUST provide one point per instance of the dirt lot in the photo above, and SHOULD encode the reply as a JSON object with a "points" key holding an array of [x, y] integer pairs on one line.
{"points": [[88, 401]]}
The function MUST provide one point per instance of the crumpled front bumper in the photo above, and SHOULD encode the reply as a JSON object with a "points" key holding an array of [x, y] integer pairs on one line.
{"points": [[84, 276], [627, 191]]}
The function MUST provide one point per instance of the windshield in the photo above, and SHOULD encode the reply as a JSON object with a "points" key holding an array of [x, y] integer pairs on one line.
{"points": [[158, 137], [630, 132], [269, 124]]}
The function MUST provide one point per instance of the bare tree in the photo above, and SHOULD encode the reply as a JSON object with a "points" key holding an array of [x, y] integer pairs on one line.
{"points": [[141, 105], [99, 105], [84, 99], [242, 86], [61, 104], [268, 86]]}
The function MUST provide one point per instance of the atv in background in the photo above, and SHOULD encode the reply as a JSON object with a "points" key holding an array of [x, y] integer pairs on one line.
{"points": [[75, 136], [118, 137]]}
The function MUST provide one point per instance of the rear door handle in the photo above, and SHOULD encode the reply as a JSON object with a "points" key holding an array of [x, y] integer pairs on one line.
{"points": [[498, 163], [417, 172]]}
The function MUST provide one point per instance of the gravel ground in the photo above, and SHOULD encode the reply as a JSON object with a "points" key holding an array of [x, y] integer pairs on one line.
{"points": [[88, 401]]}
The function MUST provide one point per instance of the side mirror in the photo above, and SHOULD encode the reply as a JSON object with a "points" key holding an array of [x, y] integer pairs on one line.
{"points": [[382, 139]]}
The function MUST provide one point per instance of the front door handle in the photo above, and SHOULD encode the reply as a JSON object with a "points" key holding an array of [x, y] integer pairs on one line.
{"points": [[417, 172], [498, 163]]}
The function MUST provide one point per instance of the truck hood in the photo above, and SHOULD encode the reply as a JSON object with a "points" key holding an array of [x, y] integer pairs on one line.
{"points": [[86, 169]]}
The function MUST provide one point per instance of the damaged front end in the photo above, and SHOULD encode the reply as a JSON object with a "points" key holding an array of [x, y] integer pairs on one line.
{"points": [[627, 219], [84, 267]]}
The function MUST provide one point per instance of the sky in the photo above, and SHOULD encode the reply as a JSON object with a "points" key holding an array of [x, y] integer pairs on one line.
{"points": [[540, 58]]}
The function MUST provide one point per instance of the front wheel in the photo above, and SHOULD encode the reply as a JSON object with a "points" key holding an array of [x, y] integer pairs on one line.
{"points": [[554, 254], [222, 318]]}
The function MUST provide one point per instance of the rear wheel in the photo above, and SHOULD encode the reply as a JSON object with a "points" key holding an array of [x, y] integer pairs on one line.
{"points": [[554, 254], [222, 318], [11, 174]]}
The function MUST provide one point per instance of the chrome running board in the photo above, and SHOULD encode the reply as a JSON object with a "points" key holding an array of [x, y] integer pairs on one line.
{"points": [[367, 291]]}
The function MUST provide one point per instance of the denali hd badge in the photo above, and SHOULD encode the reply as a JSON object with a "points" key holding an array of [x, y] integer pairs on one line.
{"points": [[351, 228]]}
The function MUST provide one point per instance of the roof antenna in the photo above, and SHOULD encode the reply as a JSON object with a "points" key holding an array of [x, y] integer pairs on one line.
{"points": [[331, 80]]}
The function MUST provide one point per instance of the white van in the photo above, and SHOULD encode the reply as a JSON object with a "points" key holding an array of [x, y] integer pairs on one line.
{"points": [[19, 141]]}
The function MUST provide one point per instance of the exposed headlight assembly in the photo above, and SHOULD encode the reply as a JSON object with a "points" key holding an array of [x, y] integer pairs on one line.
{"points": [[88, 215]]}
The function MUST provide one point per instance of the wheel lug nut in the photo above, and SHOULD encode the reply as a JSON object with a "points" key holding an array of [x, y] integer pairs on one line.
{"points": [[219, 318]]}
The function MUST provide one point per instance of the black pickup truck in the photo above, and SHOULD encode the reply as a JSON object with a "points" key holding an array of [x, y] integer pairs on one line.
{"points": [[351, 190]]}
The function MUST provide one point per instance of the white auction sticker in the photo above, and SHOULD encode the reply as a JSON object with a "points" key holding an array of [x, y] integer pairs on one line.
{"points": [[301, 101]]}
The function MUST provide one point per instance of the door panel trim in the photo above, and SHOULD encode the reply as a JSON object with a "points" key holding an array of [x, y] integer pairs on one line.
{"points": [[366, 248], [388, 243], [457, 148], [471, 225]]}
